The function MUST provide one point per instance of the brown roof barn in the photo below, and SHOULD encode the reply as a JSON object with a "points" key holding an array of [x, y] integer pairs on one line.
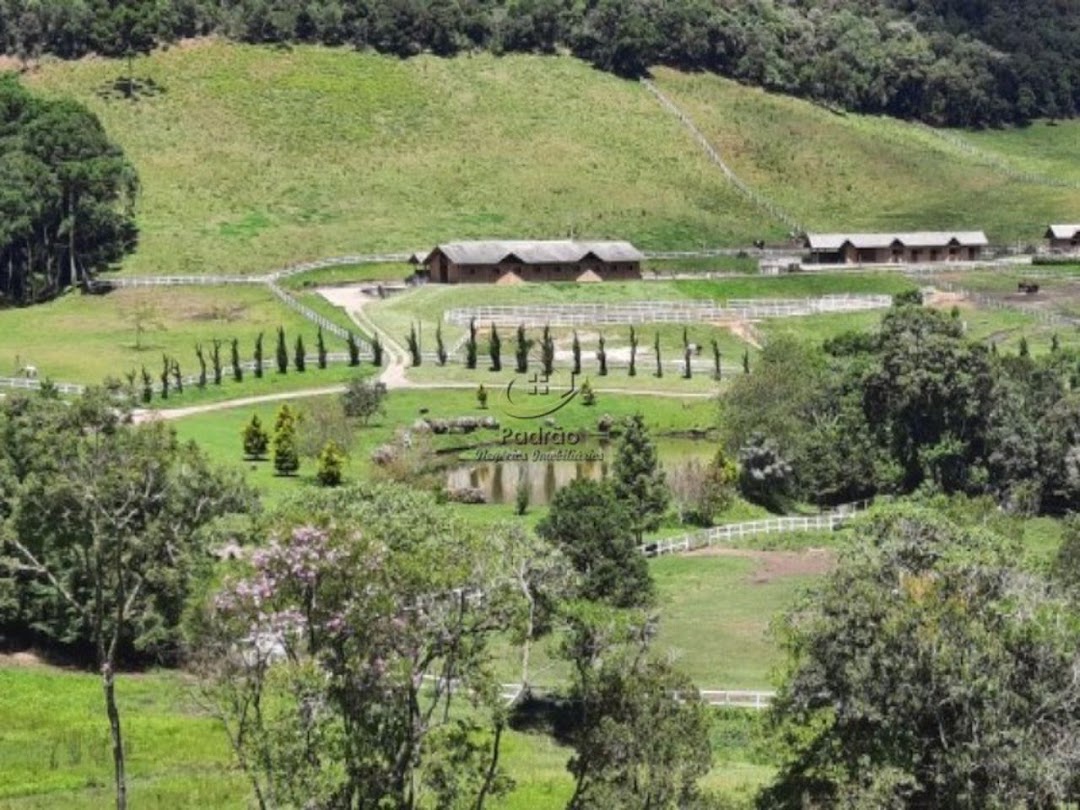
{"points": [[495, 262], [1064, 238], [889, 248]]}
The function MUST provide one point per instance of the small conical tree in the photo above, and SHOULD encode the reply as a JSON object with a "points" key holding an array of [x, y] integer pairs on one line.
{"points": [[716, 359], [482, 396], [413, 341], [376, 351], [331, 464], [300, 355], [259, 356], [147, 385], [495, 349], [470, 345], [234, 357], [256, 439], [601, 356], [521, 350], [178, 378], [440, 347], [638, 478], [588, 396], [282, 352], [320, 348], [659, 361], [633, 352], [354, 349], [575, 349], [1024, 349], [166, 367], [201, 356], [547, 352], [286, 455]]}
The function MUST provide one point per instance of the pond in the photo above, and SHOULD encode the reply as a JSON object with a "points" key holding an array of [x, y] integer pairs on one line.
{"points": [[495, 471]]}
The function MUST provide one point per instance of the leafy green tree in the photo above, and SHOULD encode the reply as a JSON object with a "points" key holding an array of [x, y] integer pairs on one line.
{"points": [[927, 671], [594, 529], [331, 465], [300, 354], [588, 396], [125, 29], [363, 400], [376, 682], [638, 478], [256, 439], [106, 537], [286, 453], [282, 352], [764, 474]]}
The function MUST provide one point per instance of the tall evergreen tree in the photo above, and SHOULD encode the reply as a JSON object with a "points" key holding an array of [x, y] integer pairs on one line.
{"points": [[440, 347], [300, 355], [656, 351], [282, 352], [286, 454], [320, 347], [470, 345], [201, 357], [495, 349], [259, 356], [638, 478], [601, 356], [547, 352], [521, 350], [633, 352], [575, 349], [215, 360], [237, 369]]}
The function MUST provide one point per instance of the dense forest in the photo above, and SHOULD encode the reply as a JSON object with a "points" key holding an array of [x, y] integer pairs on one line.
{"points": [[947, 62]]}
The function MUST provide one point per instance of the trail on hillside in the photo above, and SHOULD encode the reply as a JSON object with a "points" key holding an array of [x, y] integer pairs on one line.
{"points": [[771, 208]]}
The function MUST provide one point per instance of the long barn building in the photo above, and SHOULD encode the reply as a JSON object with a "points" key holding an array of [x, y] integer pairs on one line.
{"points": [[889, 248], [508, 262]]}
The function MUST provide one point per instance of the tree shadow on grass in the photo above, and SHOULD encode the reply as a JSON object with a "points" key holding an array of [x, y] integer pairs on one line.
{"points": [[555, 716], [126, 88]]}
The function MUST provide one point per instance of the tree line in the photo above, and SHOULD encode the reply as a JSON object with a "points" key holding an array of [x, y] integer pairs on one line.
{"points": [[67, 196], [962, 64], [915, 406]]}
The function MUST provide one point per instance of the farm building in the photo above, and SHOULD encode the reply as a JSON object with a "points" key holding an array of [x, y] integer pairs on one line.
{"points": [[886, 248], [503, 262], [1064, 238]]}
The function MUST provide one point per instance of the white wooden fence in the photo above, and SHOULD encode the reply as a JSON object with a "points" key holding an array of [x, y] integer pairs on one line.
{"points": [[662, 311], [28, 384]]}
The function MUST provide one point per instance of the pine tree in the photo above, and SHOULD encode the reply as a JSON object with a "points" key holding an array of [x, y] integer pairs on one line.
{"points": [[633, 352], [164, 376], [521, 350], [201, 356], [376, 351], [354, 349], [259, 356], [440, 347], [286, 456], [237, 369], [147, 385], [601, 356], [656, 350], [331, 464], [300, 355], [482, 396], [547, 352], [575, 348], [320, 348], [413, 341], [215, 360], [638, 478], [282, 352], [256, 440], [495, 349], [470, 345]]}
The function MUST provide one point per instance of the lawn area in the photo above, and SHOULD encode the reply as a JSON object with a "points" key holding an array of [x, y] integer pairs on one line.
{"points": [[1044, 148], [348, 274], [81, 338], [256, 157], [844, 172]]}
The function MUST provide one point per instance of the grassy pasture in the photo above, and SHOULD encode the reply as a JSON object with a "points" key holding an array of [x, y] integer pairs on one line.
{"points": [[78, 338], [255, 157], [841, 172], [1040, 149]]}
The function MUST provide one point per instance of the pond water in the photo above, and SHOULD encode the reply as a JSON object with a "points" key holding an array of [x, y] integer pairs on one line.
{"points": [[497, 470]]}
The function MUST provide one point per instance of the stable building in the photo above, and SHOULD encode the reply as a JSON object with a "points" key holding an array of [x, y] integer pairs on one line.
{"points": [[515, 261], [895, 248], [1064, 238]]}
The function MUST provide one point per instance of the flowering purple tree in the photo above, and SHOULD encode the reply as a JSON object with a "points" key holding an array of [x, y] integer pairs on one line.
{"points": [[339, 660]]}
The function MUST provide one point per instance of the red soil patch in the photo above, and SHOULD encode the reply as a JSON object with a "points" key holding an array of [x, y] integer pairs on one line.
{"points": [[775, 564]]}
